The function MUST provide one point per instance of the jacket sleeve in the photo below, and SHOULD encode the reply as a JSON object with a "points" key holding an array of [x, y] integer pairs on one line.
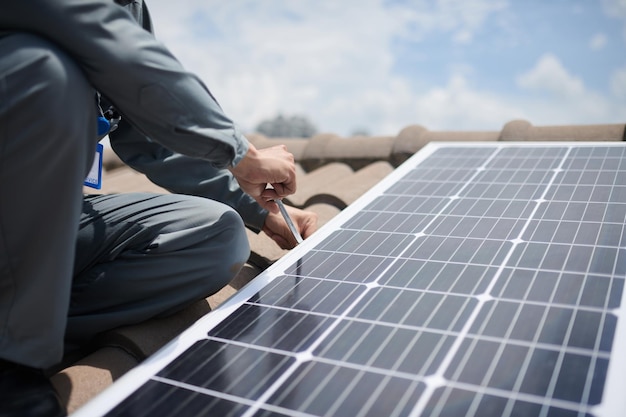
{"points": [[135, 72], [183, 174]]}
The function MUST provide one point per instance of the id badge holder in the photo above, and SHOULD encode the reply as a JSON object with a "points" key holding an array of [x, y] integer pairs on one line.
{"points": [[94, 178]]}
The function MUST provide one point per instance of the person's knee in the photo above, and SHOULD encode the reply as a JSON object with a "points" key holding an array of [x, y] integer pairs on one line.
{"points": [[236, 248], [225, 253]]}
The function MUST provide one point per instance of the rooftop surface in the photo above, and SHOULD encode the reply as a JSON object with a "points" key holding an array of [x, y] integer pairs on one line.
{"points": [[332, 172]]}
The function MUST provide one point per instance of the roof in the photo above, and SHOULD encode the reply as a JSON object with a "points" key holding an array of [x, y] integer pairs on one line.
{"points": [[332, 172]]}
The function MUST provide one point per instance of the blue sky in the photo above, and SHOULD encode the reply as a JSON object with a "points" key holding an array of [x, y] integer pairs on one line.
{"points": [[380, 66]]}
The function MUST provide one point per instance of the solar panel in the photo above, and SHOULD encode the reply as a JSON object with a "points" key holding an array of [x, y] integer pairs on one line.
{"points": [[478, 279]]}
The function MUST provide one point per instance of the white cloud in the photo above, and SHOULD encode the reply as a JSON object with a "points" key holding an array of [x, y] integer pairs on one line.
{"points": [[618, 83], [568, 100], [333, 62], [598, 41], [270, 57], [329, 61], [462, 19], [453, 106], [548, 74], [616, 9], [457, 106]]}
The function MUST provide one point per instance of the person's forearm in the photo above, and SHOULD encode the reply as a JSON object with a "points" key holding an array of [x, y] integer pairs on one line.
{"points": [[185, 175]]}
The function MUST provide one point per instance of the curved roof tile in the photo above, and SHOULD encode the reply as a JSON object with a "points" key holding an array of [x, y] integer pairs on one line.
{"points": [[316, 182], [344, 191], [522, 130]]}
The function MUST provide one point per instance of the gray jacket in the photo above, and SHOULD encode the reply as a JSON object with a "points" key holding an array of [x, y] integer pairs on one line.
{"points": [[172, 129]]}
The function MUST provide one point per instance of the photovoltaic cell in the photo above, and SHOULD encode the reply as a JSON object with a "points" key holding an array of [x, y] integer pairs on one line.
{"points": [[477, 280]]}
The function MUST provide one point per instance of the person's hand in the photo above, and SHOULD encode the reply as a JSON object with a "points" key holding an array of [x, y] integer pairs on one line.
{"points": [[259, 167], [276, 227]]}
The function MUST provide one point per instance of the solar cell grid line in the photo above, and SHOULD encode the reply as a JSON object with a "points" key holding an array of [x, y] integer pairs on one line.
{"points": [[430, 295], [273, 389], [422, 404]]}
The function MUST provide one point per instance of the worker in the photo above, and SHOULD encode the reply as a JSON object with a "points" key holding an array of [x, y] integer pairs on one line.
{"points": [[73, 265]]}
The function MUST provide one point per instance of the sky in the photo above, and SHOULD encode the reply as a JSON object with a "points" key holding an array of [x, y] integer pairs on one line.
{"points": [[377, 66]]}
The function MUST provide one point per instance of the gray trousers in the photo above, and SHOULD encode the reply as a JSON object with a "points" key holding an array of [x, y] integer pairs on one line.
{"points": [[72, 266]]}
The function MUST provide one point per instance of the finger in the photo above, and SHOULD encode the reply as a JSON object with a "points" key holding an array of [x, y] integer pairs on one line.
{"points": [[268, 205], [283, 243], [270, 194], [307, 230], [279, 239], [284, 189]]}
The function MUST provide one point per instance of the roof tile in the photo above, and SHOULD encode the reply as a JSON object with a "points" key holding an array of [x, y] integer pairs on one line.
{"points": [[317, 181], [522, 130], [80, 382], [325, 212], [346, 190], [296, 146], [357, 151], [143, 339]]}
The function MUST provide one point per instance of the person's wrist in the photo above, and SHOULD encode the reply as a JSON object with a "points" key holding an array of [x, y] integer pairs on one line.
{"points": [[242, 165]]}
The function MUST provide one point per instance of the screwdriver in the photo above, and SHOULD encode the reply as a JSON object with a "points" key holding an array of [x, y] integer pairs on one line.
{"points": [[288, 220]]}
